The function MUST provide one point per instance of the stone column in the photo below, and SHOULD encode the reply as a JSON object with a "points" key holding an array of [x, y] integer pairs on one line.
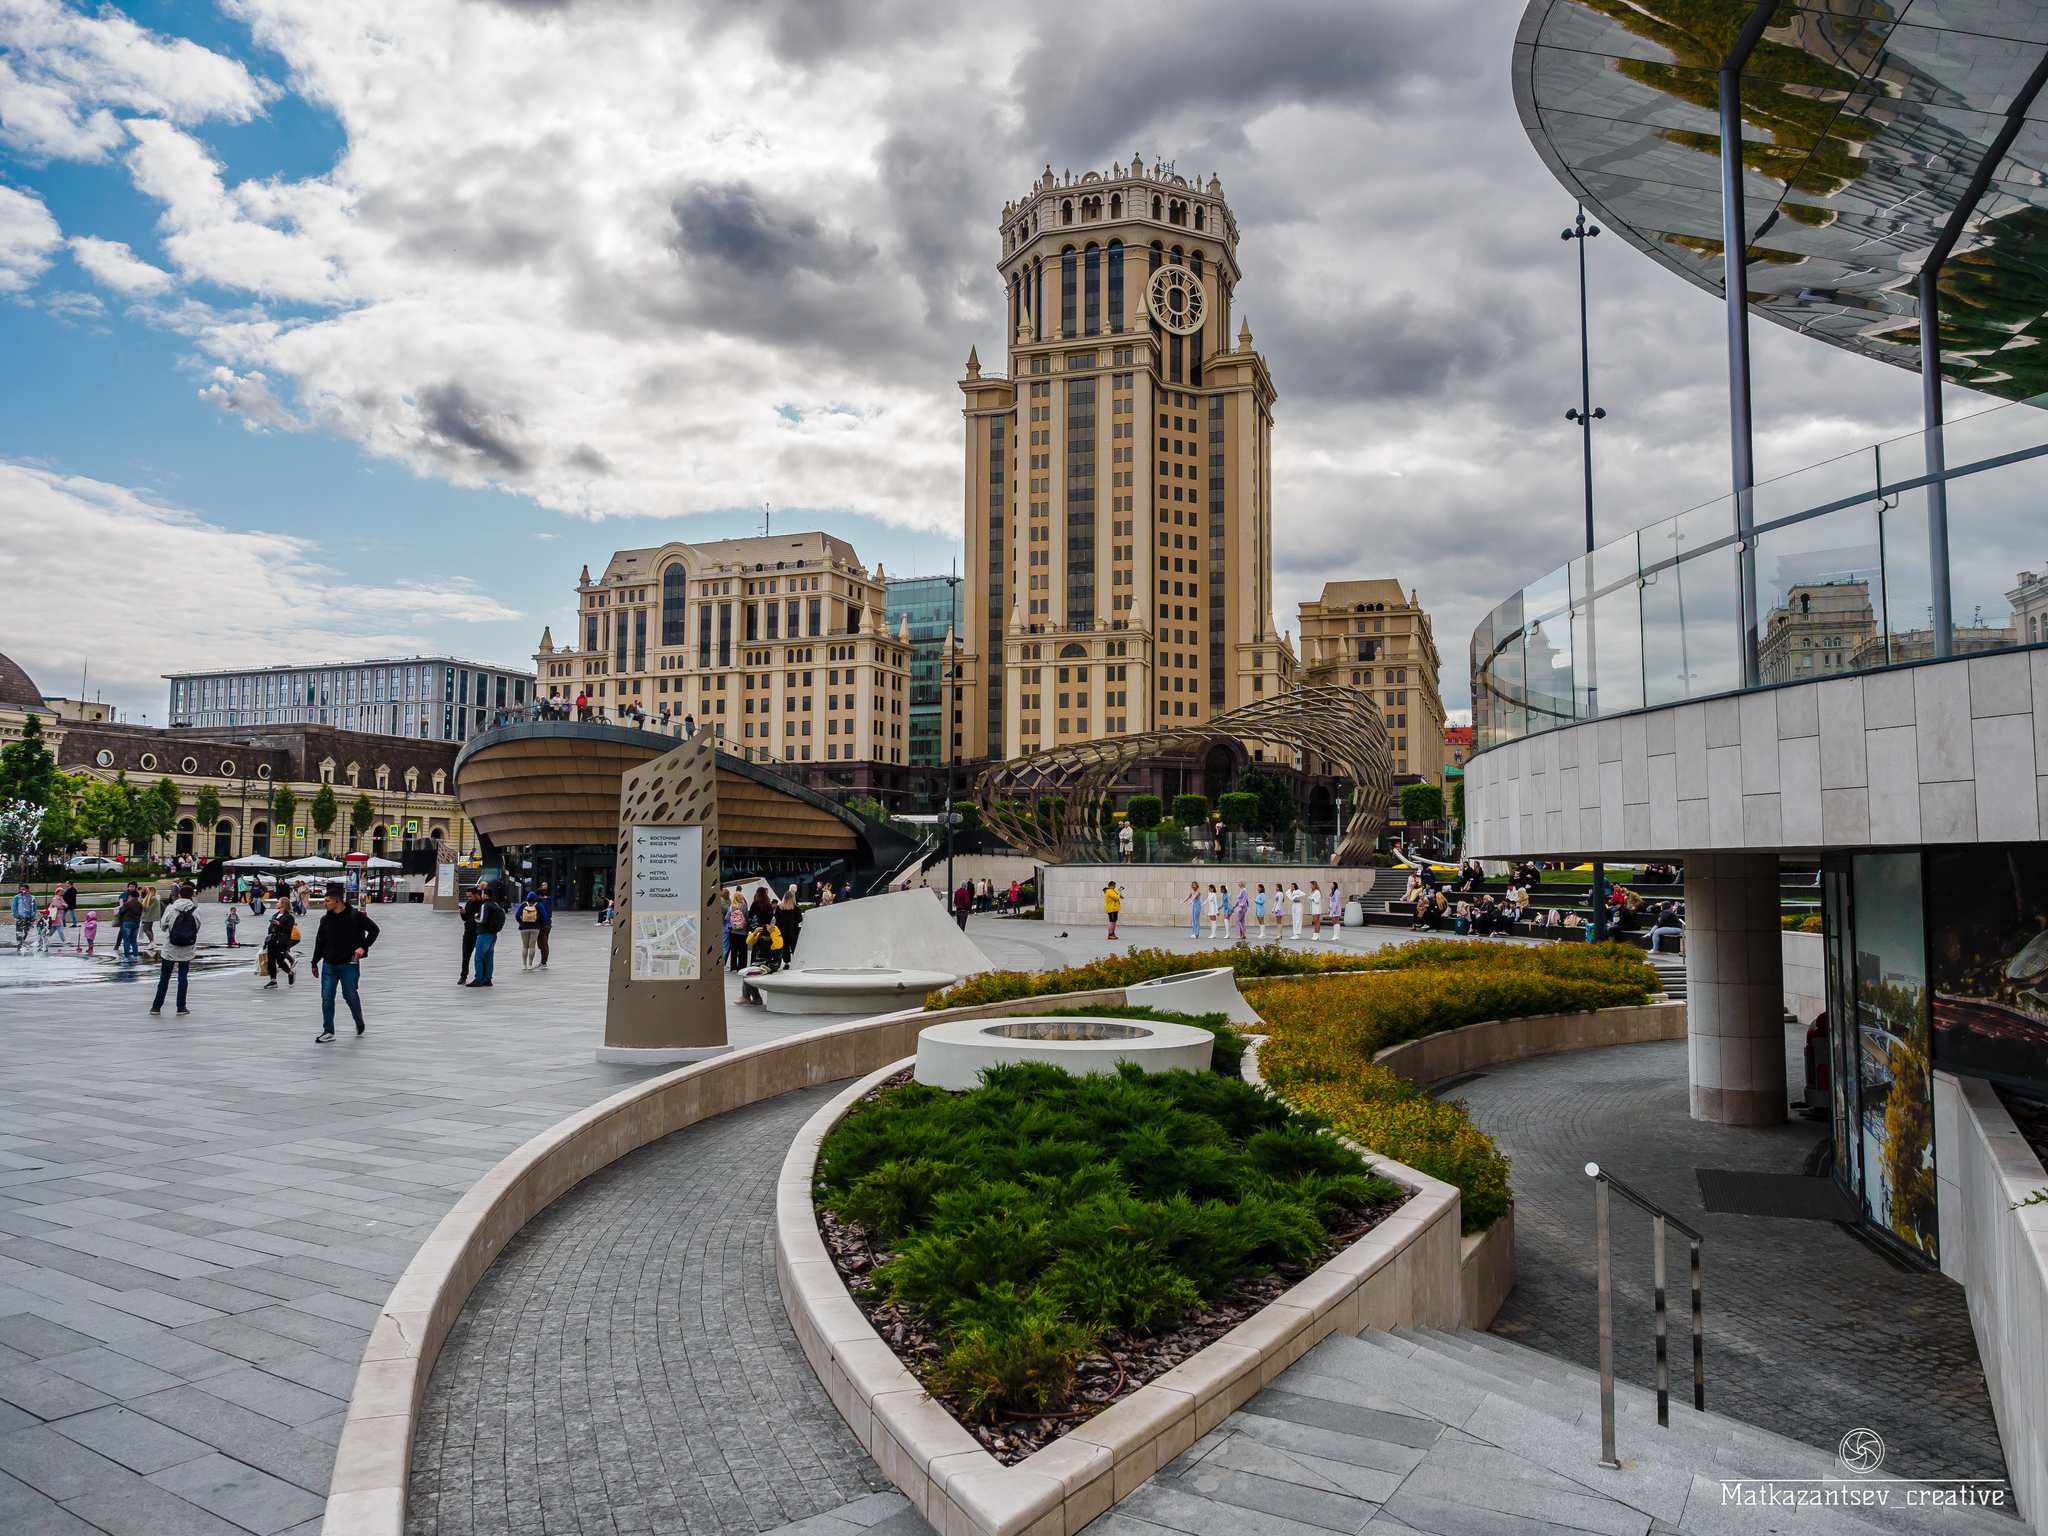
{"points": [[1734, 988]]}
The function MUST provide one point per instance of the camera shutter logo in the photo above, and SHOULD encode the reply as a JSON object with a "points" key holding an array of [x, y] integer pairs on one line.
{"points": [[1862, 1450]]}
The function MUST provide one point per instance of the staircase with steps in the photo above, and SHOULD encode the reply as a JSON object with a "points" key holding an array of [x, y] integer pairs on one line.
{"points": [[1388, 885], [1671, 968], [1457, 1431]]}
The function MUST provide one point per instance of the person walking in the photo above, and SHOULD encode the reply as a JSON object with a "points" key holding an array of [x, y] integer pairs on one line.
{"points": [[152, 913], [1193, 899], [180, 944], [547, 921], [24, 909], [1214, 902], [129, 915], [490, 922], [1241, 906], [234, 921], [1315, 911], [1295, 902], [71, 903], [469, 912], [1112, 903], [344, 938], [528, 918], [91, 929], [1259, 910], [278, 940], [963, 903]]}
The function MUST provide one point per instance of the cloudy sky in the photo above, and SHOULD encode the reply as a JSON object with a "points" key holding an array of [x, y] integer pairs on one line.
{"points": [[349, 326]]}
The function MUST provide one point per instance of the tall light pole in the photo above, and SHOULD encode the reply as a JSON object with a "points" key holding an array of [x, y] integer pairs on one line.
{"points": [[1585, 416]]}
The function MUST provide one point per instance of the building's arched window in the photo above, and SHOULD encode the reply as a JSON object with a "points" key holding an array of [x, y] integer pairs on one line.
{"points": [[675, 591], [259, 839], [1195, 338], [1157, 204], [377, 840], [224, 840], [1038, 301], [1116, 205], [186, 829], [1116, 286], [1067, 291], [1091, 208], [1091, 313], [1069, 652], [1177, 212], [1198, 216], [1067, 211]]}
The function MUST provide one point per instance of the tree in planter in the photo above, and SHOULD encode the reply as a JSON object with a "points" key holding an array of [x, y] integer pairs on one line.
{"points": [[360, 815], [284, 805], [206, 817], [1276, 806], [1238, 810], [969, 814], [1144, 812], [1191, 811], [323, 810]]}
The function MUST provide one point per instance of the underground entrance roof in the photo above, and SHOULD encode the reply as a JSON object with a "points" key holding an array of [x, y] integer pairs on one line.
{"points": [[1863, 125]]}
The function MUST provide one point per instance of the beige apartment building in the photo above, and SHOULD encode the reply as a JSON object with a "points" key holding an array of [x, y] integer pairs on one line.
{"points": [[1817, 633], [777, 645], [1367, 635], [1119, 479]]}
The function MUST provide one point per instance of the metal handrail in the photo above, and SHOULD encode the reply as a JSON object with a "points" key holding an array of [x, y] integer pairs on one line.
{"points": [[1660, 1218]]}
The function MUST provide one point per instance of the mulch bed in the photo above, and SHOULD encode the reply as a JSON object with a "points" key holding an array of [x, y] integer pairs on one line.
{"points": [[1123, 1363]]}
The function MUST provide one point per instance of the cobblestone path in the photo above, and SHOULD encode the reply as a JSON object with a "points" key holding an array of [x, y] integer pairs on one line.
{"points": [[626, 1364], [1808, 1332]]}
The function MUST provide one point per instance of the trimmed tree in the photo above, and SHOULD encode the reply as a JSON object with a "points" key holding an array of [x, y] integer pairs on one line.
{"points": [[1143, 812], [323, 809], [1421, 803], [969, 814], [360, 815], [27, 770], [1190, 810], [1276, 806], [103, 809], [1239, 810], [206, 816], [284, 805]]}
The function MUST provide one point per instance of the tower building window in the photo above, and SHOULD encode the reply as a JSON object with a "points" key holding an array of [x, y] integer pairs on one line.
{"points": [[1067, 276]]}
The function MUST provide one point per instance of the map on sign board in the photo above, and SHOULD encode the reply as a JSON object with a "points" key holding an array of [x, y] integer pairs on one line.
{"points": [[665, 898]]}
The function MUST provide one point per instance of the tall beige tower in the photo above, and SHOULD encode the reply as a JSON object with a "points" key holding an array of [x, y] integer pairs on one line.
{"points": [[1119, 480]]}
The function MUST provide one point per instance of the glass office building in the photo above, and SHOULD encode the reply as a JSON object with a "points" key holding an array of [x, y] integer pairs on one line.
{"points": [[426, 698], [932, 604]]}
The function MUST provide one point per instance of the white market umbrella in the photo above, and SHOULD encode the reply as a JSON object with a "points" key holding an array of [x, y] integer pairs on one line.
{"points": [[384, 864], [254, 861], [313, 861]]}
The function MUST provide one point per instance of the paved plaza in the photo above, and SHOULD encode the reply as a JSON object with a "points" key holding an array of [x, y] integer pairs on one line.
{"points": [[1808, 1331], [200, 1217]]}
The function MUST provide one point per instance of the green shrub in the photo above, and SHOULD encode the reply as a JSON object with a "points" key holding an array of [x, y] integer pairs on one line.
{"points": [[1038, 1209], [1144, 965], [1238, 810], [1190, 810], [1227, 1058], [1144, 812]]}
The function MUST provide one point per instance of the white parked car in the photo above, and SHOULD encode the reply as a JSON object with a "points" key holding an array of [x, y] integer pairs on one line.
{"points": [[92, 864]]}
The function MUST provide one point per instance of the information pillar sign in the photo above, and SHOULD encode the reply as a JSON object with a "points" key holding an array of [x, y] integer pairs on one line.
{"points": [[665, 1001]]}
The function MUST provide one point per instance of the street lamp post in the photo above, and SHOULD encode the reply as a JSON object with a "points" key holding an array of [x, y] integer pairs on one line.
{"points": [[1585, 416]]}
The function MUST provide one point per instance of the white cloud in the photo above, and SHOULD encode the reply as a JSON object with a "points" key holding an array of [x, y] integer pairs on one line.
{"points": [[211, 595], [28, 234], [113, 264], [65, 70]]}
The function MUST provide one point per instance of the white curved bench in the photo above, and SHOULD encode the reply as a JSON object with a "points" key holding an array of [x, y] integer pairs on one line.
{"points": [[1196, 992], [954, 1055], [848, 989]]}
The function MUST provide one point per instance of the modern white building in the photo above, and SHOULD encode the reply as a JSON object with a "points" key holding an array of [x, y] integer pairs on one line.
{"points": [[427, 698]]}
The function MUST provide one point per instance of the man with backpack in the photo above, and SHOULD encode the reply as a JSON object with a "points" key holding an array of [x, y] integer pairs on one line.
{"points": [[470, 910], [345, 936], [530, 916], [490, 921], [180, 944]]}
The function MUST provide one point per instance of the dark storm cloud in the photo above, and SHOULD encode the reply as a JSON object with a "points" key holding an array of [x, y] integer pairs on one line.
{"points": [[758, 238], [460, 426]]}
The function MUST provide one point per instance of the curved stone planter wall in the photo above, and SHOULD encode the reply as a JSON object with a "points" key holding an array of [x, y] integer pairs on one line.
{"points": [[1473, 1046], [366, 1496], [1403, 1273]]}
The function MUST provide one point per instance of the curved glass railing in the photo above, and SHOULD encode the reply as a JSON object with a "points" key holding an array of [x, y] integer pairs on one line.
{"points": [[1842, 573]]}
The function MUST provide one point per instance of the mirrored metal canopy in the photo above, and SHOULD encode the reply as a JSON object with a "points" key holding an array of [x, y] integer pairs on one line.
{"points": [[1864, 124]]}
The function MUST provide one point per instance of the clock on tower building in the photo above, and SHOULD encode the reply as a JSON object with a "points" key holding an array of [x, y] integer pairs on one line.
{"points": [[1119, 480]]}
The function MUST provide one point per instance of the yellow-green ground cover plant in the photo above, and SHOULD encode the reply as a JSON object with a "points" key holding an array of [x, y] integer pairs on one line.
{"points": [[1021, 1226], [1322, 1034], [1126, 970]]}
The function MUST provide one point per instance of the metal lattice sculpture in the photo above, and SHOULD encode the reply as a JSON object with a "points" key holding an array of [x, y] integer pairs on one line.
{"points": [[1338, 727]]}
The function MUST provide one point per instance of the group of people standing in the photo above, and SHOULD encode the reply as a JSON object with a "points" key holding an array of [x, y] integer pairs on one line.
{"points": [[761, 932], [484, 916], [1245, 910]]}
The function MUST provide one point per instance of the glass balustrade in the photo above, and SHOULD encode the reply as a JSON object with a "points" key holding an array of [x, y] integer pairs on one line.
{"points": [[1843, 574]]}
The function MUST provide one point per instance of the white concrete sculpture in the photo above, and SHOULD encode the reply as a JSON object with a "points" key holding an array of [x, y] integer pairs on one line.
{"points": [[953, 1056], [1197, 992], [853, 989], [906, 930]]}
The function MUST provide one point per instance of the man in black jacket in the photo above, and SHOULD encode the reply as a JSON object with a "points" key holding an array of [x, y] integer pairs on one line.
{"points": [[345, 936], [472, 909], [490, 921]]}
